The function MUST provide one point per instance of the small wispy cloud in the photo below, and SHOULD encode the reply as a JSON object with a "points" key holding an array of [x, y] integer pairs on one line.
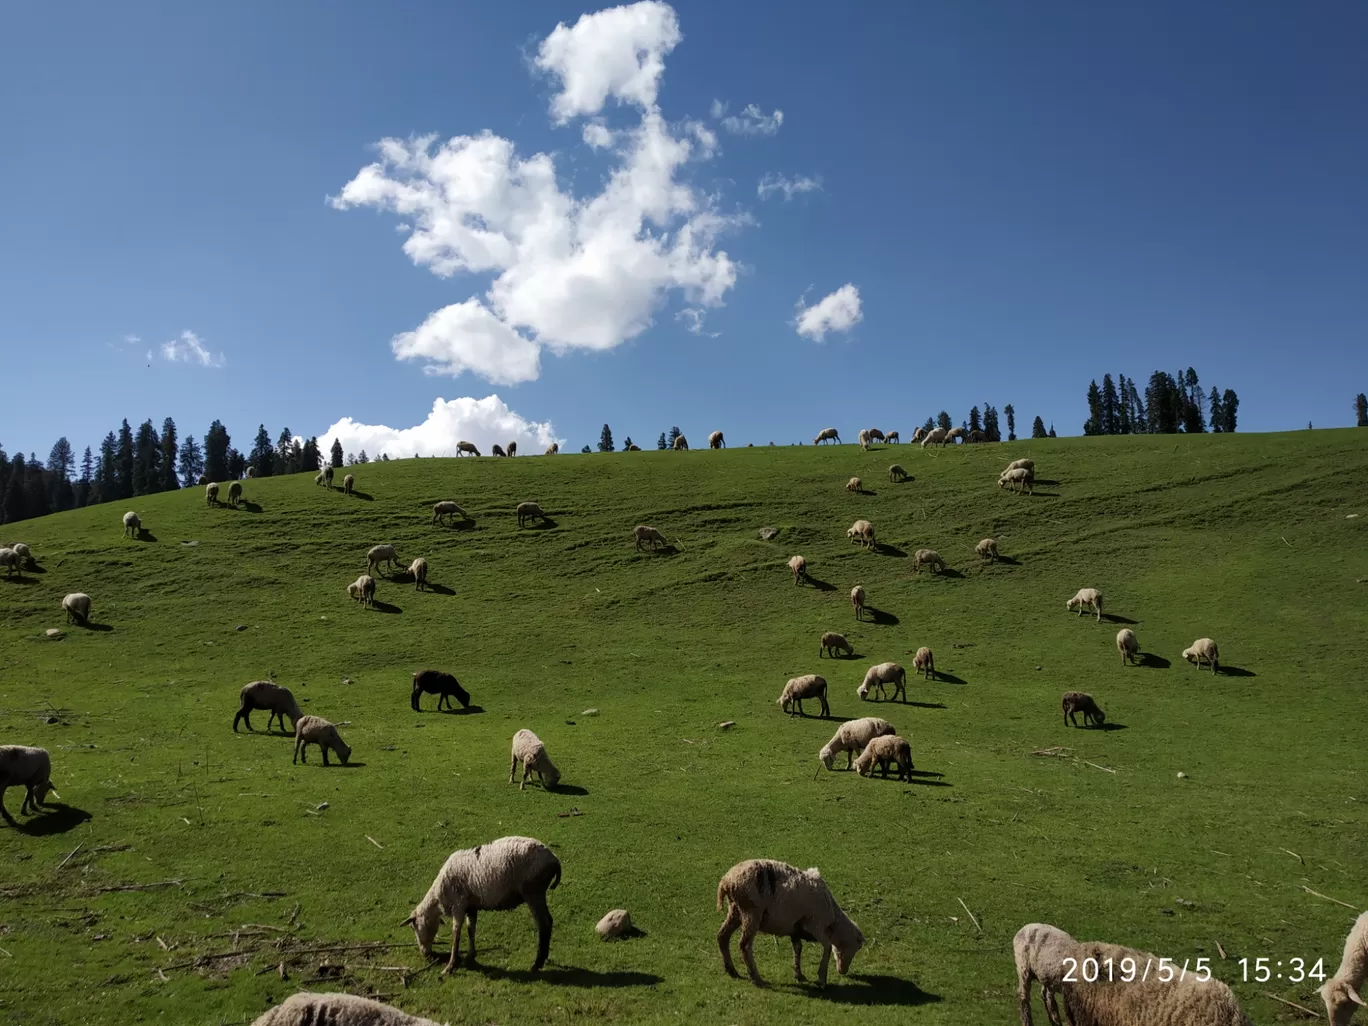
{"points": [[131, 340], [774, 184], [751, 121], [840, 311], [692, 319], [188, 348]]}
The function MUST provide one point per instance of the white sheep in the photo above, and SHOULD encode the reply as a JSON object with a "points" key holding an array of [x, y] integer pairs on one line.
{"points": [[892, 438], [10, 560], [314, 730], [832, 642], [765, 896], [855, 485], [251, 472], [827, 435], [896, 473], [1087, 598], [493, 877], [132, 524], [29, 768], [552, 449], [917, 436], [418, 570], [1039, 950], [528, 511], [879, 675], [463, 447], [235, 493], [953, 435], [363, 590], [211, 491], [807, 686], [1147, 999], [1203, 650], [862, 531], [680, 443], [1019, 480], [1341, 992], [987, 549], [936, 436], [1022, 465], [381, 554], [529, 750], [267, 694], [447, 508], [928, 557], [883, 750], [716, 441], [924, 662], [349, 485], [77, 607], [312, 1009], [863, 438], [644, 534], [799, 567], [1127, 645], [325, 476], [852, 736], [857, 601]]}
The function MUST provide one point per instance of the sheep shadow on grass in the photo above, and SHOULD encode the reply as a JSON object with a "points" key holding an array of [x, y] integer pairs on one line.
{"points": [[948, 678], [820, 584], [1154, 662], [144, 535], [440, 589], [468, 524], [1236, 671], [884, 549], [249, 507], [540, 524], [1114, 618], [20, 580], [568, 789], [873, 989], [366, 496], [882, 617], [385, 607], [950, 572], [91, 625], [568, 976], [469, 710], [55, 818], [1008, 561], [926, 705]]}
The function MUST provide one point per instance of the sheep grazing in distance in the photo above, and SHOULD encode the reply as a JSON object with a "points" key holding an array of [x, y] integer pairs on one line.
{"points": [[529, 511], [875, 435], [633, 447], [349, 485], [447, 508], [644, 534], [24, 553], [807, 686], [211, 491], [1087, 598], [1127, 645], [1147, 1000], [832, 643], [799, 567], [235, 493], [857, 600], [1039, 950], [892, 438], [1019, 480], [381, 554], [827, 435], [307, 1008], [680, 443], [1203, 650], [443, 685], [896, 473], [363, 590], [268, 695], [1021, 465], [953, 435], [927, 557], [716, 441], [463, 447], [862, 531], [77, 607], [498, 450], [855, 485], [251, 472], [974, 437], [552, 449], [314, 730], [10, 560], [325, 476], [884, 750], [29, 768], [1075, 702], [493, 877], [1341, 993], [987, 549], [512, 448], [132, 524], [936, 436], [418, 571], [924, 663], [529, 750], [917, 436], [879, 675], [851, 737], [202, 480], [765, 896], [863, 438]]}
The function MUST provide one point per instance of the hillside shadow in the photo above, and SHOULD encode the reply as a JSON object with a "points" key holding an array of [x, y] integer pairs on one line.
{"points": [[820, 584], [1154, 662], [58, 821], [948, 678], [1236, 671], [884, 549], [873, 989], [1113, 618], [385, 607], [882, 617], [144, 535], [926, 705], [568, 976], [571, 789]]}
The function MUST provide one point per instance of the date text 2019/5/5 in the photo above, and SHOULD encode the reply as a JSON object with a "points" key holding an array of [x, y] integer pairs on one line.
{"points": [[1168, 970]]}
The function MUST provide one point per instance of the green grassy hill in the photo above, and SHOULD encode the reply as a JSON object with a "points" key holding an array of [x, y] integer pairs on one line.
{"points": [[1256, 541]]}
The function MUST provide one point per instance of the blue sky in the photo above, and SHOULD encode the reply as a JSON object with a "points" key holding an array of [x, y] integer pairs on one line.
{"points": [[1023, 196]]}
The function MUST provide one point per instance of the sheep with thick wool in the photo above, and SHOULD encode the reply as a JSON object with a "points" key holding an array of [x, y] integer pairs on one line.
{"points": [[513, 448], [766, 896], [1147, 1000], [29, 768], [827, 435], [315, 730], [987, 549], [498, 450], [493, 877], [463, 447], [863, 438], [77, 607], [927, 557], [892, 438], [418, 570], [1039, 950], [862, 531], [267, 694], [857, 601], [552, 449], [799, 567], [896, 473], [530, 511], [832, 643], [643, 534], [1075, 702], [924, 663], [1342, 993], [448, 509], [12, 563], [953, 435], [211, 491], [132, 524], [879, 675], [1019, 480], [809, 686], [855, 485], [852, 736], [716, 441], [325, 476], [1086, 599], [680, 443], [235, 493], [1023, 464], [363, 590], [307, 1008], [529, 750], [1128, 645], [883, 751], [1203, 650], [378, 554]]}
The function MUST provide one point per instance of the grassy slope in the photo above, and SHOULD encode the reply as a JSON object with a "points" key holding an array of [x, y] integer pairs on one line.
{"points": [[1243, 538]]}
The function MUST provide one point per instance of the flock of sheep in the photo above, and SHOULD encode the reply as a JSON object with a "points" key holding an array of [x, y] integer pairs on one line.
{"points": [[758, 895]]}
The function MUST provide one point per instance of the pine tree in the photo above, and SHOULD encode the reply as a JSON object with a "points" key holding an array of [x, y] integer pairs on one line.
{"points": [[586, 449], [991, 431], [1110, 406], [146, 460], [14, 508], [86, 482], [1214, 407], [61, 460], [309, 458], [1123, 406], [605, 439], [1094, 424], [363, 458], [1163, 400], [124, 464], [1194, 393], [1230, 403], [1038, 428], [262, 456], [943, 421], [335, 454], [627, 444], [4, 480], [169, 449], [661, 443], [216, 445], [975, 420], [1361, 410], [1052, 432], [1011, 422], [1193, 424], [107, 471], [1139, 421], [190, 462], [351, 460], [36, 502], [237, 464], [930, 424], [674, 433], [286, 460]]}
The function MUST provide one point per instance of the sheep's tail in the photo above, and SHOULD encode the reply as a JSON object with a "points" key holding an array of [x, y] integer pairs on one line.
{"points": [[555, 877], [722, 895]]}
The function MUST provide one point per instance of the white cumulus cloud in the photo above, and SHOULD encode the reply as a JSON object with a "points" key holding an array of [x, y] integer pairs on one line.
{"points": [[482, 421], [597, 136], [189, 348], [839, 312], [774, 184], [751, 121], [568, 272]]}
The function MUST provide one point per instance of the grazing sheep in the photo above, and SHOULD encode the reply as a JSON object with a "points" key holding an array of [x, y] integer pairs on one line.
{"points": [[827, 435], [716, 441], [447, 508], [765, 896], [883, 750], [1087, 598], [936, 436], [443, 685], [1341, 993], [498, 450], [463, 447], [528, 510], [633, 448], [325, 476], [1203, 650], [1021, 465], [251, 472], [512, 448], [862, 531], [680, 443], [857, 599], [953, 435], [10, 560], [832, 643], [855, 485], [418, 570], [29, 768], [1019, 480], [987, 549], [896, 473], [314, 730], [924, 663], [312, 1009], [863, 438], [529, 750], [917, 436], [381, 554], [552, 449], [808, 686], [892, 438], [643, 534], [363, 590], [875, 435], [267, 694], [799, 567], [211, 491], [615, 925], [851, 737], [1127, 645], [491, 877], [235, 493], [1039, 950], [1075, 702], [202, 479], [928, 557], [879, 675], [1147, 1000], [132, 524], [349, 485], [77, 606]]}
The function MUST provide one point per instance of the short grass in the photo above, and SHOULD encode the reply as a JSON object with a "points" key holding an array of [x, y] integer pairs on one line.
{"points": [[1257, 541]]}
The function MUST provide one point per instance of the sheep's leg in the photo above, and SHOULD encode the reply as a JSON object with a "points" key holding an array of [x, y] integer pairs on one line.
{"points": [[850, 757], [541, 915], [470, 926], [749, 928], [724, 934], [527, 772], [1047, 996], [455, 958], [512, 768], [1024, 997], [826, 709], [299, 749], [822, 966], [798, 958]]}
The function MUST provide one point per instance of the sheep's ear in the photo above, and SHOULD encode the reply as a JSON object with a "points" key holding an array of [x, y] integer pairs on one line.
{"points": [[1353, 995], [409, 921]]}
